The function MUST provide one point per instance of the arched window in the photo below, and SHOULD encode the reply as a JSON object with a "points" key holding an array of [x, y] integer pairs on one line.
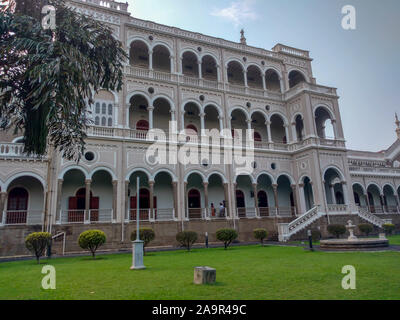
{"points": [[110, 109], [257, 137], [109, 122], [97, 121], [142, 125], [103, 108], [103, 121], [97, 107], [194, 199], [17, 206]]}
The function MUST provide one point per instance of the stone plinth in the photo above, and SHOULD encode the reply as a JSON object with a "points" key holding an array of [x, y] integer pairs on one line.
{"points": [[204, 275], [137, 255]]}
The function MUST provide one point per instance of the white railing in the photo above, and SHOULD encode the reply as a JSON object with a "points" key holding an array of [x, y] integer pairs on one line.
{"points": [[164, 215], [286, 211], [11, 149], [264, 212], [371, 218], [81, 216], [144, 215], [108, 4], [101, 131], [286, 230], [248, 213], [22, 217], [196, 214], [101, 215], [342, 208]]}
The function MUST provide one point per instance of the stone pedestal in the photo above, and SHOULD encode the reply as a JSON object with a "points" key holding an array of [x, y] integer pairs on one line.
{"points": [[137, 255], [204, 275]]}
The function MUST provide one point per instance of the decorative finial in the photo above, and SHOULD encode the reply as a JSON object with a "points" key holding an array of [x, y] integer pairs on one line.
{"points": [[242, 38], [397, 126]]}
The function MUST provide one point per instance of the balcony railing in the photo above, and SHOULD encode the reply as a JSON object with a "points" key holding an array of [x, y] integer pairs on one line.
{"points": [[83, 217], [22, 217]]}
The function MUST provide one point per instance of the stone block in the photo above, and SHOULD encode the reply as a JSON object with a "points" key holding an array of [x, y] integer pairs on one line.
{"points": [[204, 275]]}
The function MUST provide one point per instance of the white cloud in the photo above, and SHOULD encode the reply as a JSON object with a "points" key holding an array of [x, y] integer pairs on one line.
{"points": [[238, 12]]}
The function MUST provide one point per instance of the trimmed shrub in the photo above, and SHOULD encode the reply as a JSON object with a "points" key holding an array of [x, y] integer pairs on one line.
{"points": [[37, 243], [337, 230], [92, 240], [365, 228], [147, 235], [186, 239], [260, 234], [227, 236], [389, 228]]}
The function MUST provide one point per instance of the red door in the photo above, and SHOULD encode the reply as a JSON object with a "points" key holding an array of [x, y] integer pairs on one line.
{"points": [[94, 208], [17, 206]]}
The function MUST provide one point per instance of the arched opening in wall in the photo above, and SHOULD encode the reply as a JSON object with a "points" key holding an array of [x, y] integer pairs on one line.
{"points": [[295, 77], [333, 186], [77, 207], [192, 121], [244, 196], [142, 125], [278, 131], [73, 181], [139, 54], [161, 59], [138, 111], [299, 128], [324, 124], [17, 206], [144, 196], [211, 120], [190, 65], [209, 68], [308, 194], [254, 77], [359, 196], [285, 197], [339, 197], [101, 206], [164, 197], [216, 196], [265, 195], [390, 201], [195, 194], [235, 73], [162, 114], [258, 121], [239, 125], [374, 198], [273, 81]]}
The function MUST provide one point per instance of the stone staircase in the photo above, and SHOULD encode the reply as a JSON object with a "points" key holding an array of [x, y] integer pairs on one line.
{"points": [[287, 230], [371, 218]]}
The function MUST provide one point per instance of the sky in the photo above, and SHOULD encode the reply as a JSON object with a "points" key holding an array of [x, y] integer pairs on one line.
{"points": [[363, 63]]}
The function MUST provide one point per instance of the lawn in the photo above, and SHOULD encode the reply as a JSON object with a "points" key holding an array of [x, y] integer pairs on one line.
{"points": [[252, 272]]}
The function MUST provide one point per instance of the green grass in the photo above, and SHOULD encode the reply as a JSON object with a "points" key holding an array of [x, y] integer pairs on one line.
{"points": [[252, 272]]}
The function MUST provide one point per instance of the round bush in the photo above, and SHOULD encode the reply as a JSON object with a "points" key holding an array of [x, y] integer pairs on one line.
{"points": [[92, 240], [37, 243], [146, 235], [227, 236], [260, 234], [365, 228], [389, 228], [337, 230], [186, 239]]}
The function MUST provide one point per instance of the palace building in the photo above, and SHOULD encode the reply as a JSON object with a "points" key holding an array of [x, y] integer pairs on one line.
{"points": [[303, 175]]}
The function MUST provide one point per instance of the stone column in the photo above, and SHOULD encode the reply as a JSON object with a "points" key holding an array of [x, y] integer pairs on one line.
{"points": [[151, 110], [245, 78], [183, 120], [294, 132], [115, 199], [221, 123], [175, 195], [249, 130], [294, 190], [333, 121], [256, 198], [88, 183], [59, 197], [172, 112], [180, 67], [150, 60], [205, 185], [268, 124], [263, 81], [332, 191], [275, 187], [126, 215], [287, 132], [367, 201], [171, 61], [235, 209], [200, 71], [226, 195], [218, 73], [151, 186], [382, 199], [303, 206], [202, 123], [186, 210], [3, 197], [345, 193]]}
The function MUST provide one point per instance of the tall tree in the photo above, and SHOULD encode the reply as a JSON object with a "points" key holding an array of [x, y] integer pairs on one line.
{"points": [[49, 77]]}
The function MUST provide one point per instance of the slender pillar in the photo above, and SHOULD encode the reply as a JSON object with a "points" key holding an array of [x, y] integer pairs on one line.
{"points": [[287, 132], [295, 200], [382, 198], [268, 123], [172, 112], [303, 206], [200, 71], [235, 209], [221, 123], [88, 183], [115, 199], [186, 210], [126, 215], [249, 130], [3, 197], [332, 191], [275, 187], [263, 82], [333, 121], [171, 62], [151, 215], [151, 111], [226, 195], [218, 73], [59, 197], [345, 193], [202, 123], [256, 199], [245, 79], [175, 195], [151, 60], [205, 185]]}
